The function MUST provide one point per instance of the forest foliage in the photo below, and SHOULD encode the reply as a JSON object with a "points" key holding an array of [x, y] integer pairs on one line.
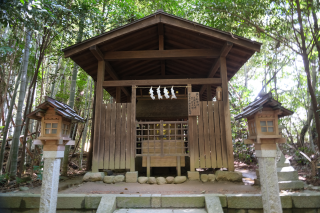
{"points": [[287, 65]]}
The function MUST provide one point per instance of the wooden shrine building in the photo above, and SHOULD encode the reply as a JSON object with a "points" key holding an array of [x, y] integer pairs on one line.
{"points": [[162, 50]]}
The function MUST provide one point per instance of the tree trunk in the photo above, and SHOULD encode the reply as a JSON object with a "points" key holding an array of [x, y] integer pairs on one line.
{"points": [[72, 98], [9, 116], [307, 70], [87, 104], [22, 93], [306, 126], [89, 158]]}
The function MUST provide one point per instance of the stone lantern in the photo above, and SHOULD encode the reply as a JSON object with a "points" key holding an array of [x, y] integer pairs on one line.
{"points": [[56, 119], [262, 117]]}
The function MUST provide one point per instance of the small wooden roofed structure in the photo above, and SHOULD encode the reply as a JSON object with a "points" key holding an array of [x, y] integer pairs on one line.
{"points": [[61, 109], [162, 46], [265, 101], [162, 49]]}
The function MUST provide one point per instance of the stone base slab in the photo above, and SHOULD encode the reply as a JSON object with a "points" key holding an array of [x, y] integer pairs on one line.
{"points": [[131, 177], [193, 175], [291, 184], [23, 202]]}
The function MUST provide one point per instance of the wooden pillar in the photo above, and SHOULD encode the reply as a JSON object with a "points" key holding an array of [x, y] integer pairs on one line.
{"points": [[178, 166], [227, 117], [97, 119], [118, 95], [148, 166], [209, 93], [133, 128], [191, 138]]}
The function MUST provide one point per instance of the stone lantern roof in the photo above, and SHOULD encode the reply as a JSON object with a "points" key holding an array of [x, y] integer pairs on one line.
{"points": [[264, 101], [61, 109]]}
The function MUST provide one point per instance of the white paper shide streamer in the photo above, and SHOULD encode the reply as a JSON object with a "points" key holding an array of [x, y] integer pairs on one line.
{"points": [[151, 94], [173, 96], [159, 93], [166, 93]]}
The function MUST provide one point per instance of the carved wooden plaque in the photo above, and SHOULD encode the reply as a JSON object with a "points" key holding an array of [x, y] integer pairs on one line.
{"points": [[193, 104]]}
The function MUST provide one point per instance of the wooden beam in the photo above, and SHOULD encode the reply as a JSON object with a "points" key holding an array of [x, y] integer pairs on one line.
{"points": [[96, 52], [161, 77], [226, 49], [227, 116], [161, 54], [216, 65], [197, 81], [97, 119]]}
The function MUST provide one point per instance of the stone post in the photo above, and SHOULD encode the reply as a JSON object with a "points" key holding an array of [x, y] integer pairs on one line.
{"points": [[269, 180], [50, 181]]}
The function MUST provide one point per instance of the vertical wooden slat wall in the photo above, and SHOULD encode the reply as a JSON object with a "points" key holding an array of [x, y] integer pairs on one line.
{"points": [[209, 136], [115, 152]]}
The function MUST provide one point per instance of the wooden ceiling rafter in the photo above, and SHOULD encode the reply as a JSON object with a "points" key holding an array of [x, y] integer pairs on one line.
{"points": [[161, 47], [192, 36], [184, 40], [179, 70], [139, 68], [125, 43], [131, 65]]}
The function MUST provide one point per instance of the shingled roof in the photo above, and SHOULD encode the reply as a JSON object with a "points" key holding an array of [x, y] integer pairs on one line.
{"points": [[61, 109], [259, 104]]}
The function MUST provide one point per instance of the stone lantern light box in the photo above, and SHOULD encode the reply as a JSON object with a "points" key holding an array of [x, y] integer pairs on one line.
{"points": [[56, 119], [262, 116]]}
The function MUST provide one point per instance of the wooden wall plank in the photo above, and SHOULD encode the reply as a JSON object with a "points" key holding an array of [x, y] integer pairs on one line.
{"points": [[212, 135], [107, 151], [102, 136], [196, 143], [97, 119], [201, 138], [123, 137], [117, 139], [128, 133], [227, 116], [223, 136], [133, 128], [113, 135], [217, 134], [206, 133]]}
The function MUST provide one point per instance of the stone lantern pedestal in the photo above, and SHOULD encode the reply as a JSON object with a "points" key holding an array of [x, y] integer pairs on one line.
{"points": [[50, 181], [53, 152], [266, 154]]}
